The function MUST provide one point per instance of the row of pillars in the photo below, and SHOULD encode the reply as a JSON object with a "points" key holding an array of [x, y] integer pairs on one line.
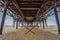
{"points": [[15, 22], [4, 16], [44, 22]]}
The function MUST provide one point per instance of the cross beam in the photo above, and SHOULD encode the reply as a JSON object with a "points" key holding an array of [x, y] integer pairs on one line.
{"points": [[30, 30], [16, 5], [39, 10]]}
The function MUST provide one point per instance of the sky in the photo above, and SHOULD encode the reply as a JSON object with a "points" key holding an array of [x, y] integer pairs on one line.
{"points": [[9, 21]]}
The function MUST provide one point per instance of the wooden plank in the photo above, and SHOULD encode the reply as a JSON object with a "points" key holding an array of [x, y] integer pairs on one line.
{"points": [[29, 3], [40, 9], [17, 6], [29, 8]]}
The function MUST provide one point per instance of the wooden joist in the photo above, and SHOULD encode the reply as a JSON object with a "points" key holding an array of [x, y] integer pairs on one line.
{"points": [[29, 8]]}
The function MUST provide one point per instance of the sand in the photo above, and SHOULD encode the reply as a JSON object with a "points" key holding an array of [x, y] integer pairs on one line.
{"points": [[19, 34]]}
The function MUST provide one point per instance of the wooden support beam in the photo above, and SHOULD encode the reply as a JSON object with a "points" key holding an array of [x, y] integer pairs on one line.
{"points": [[17, 21], [40, 24], [57, 19], [40, 9], [17, 6], [43, 24], [29, 8], [58, 2], [16, 24], [4, 16], [56, 16], [8, 7], [12, 10], [19, 24], [13, 23], [46, 22], [29, 3], [44, 4]]}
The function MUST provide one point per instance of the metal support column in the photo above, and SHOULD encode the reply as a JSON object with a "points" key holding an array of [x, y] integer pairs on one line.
{"points": [[3, 18]]}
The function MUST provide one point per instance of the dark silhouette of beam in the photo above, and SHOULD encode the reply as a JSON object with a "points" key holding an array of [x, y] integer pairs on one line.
{"points": [[17, 24], [13, 23], [43, 24], [4, 16], [57, 19], [46, 22], [40, 23]]}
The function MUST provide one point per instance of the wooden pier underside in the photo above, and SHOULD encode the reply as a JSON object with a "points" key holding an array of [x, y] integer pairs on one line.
{"points": [[29, 11]]}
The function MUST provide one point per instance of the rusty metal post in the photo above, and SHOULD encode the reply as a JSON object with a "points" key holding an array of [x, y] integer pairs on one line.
{"points": [[57, 19], [4, 16]]}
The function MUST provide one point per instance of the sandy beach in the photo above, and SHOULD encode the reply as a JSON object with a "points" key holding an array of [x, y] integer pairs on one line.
{"points": [[50, 28], [20, 34]]}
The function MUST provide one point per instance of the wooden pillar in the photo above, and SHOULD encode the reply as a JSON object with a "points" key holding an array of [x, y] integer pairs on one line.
{"points": [[40, 23], [3, 18], [46, 22], [57, 19], [20, 24], [37, 24], [43, 25], [13, 23], [17, 23]]}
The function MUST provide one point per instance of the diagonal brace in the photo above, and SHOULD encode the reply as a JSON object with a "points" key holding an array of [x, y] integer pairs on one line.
{"points": [[30, 30]]}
